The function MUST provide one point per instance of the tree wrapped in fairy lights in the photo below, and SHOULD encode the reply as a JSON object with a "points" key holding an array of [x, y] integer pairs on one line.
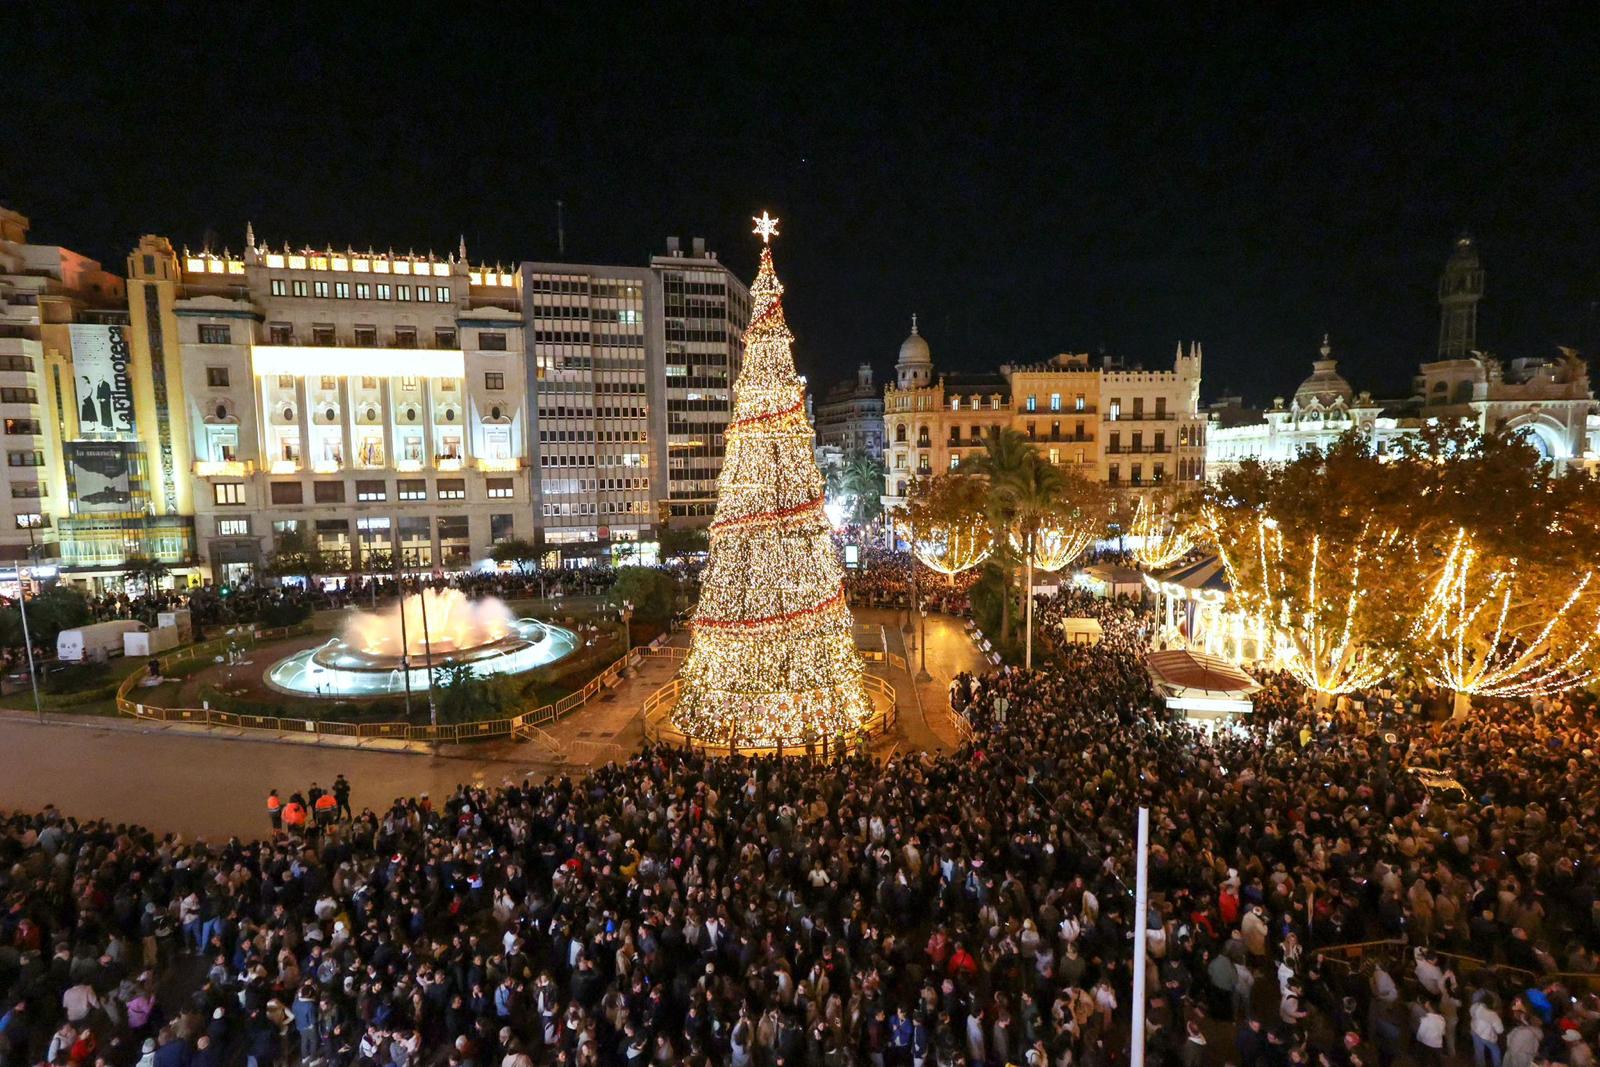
{"points": [[773, 660], [1485, 631], [1163, 537], [950, 530]]}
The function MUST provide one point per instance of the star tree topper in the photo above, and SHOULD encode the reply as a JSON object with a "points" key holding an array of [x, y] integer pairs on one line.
{"points": [[766, 226]]}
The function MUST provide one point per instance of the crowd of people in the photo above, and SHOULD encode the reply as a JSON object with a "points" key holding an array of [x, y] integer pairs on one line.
{"points": [[955, 910]]}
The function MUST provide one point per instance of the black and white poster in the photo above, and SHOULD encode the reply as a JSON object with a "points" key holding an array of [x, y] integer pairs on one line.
{"points": [[104, 389], [102, 475]]}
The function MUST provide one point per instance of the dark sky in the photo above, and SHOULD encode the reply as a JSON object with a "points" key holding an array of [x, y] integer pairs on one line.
{"points": [[1030, 180]]}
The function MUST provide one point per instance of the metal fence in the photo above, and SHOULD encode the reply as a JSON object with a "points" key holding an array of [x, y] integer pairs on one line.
{"points": [[528, 725], [1396, 950], [657, 713]]}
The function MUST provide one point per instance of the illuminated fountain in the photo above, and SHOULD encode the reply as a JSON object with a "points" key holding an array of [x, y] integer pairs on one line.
{"points": [[369, 659]]}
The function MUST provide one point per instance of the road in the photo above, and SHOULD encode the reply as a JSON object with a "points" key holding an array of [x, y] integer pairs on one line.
{"points": [[214, 787], [950, 651]]}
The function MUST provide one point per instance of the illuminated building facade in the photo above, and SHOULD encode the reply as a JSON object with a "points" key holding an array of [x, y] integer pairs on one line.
{"points": [[1547, 401], [1127, 427], [81, 437], [630, 373], [368, 403], [849, 417]]}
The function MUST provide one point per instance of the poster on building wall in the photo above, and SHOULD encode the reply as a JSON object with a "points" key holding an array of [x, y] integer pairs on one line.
{"points": [[103, 386], [102, 476]]}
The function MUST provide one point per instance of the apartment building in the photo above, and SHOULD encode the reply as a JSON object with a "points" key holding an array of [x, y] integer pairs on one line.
{"points": [[1127, 427], [630, 373], [850, 417], [371, 403]]}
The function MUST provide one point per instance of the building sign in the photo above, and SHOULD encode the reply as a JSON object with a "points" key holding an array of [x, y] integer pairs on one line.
{"points": [[102, 476], [100, 358]]}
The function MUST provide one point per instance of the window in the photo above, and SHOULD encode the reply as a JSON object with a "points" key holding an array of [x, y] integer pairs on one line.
{"points": [[443, 292], [280, 287], [25, 459], [28, 490], [299, 288], [405, 337], [285, 526], [1138, 407], [955, 461], [955, 403], [402, 292], [31, 521], [319, 289], [1161, 441], [408, 383], [492, 340], [341, 290], [1114, 475], [1032, 403], [322, 334], [15, 362], [217, 377], [285, 381], [494, 379], [1055, 401], [900, 433], [228, 493], [384, 291], [1055, 457], [1077, 402], [288, 493], [328, 383], [370, 490], [502, 528], [23, 426], [19, 395], [215, 333], [444, 337], [366, 336], [452, 489], [412, 489], [1115, 411], [328, 492], [280, 333], [363, 291], [425, 294], [1161, 407], [500, 488], [233, 527]]}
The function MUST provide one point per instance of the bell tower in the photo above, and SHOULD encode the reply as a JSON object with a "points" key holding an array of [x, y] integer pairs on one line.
{"points": [[1460, 289]]}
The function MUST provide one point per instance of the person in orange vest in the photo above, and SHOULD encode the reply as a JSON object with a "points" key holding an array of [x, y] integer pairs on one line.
{"points": [[326, 808], [275, 809], [294, 815]]}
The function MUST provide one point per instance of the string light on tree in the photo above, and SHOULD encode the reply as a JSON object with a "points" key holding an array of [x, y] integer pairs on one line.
{"points": [[1321, 615], [773, 660], [1056, 543], [1161, 540], [951, 550], [1474, 645]]}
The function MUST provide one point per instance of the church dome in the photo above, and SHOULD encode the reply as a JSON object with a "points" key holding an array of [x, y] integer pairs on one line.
{"points": [[1325, 386], [914, 349]]}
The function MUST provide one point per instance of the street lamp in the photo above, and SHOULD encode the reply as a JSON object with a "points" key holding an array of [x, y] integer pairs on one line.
{"points": [[23, 574], [922, 655], [626, 614]]}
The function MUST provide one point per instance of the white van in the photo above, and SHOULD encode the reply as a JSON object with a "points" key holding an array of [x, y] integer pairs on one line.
{"points": [[96, 642]]}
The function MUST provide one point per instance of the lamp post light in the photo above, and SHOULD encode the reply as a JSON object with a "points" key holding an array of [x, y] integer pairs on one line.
{"points": [[625, 612], [23, 574], [922, 654]]}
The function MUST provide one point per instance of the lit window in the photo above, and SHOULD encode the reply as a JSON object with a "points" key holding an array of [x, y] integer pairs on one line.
{"points": [[1055, 401], [1032, 403], [402, 292], [233, 527], [212, 333], [425, 293], [363, 291], [1115, 411], [500, 488], [443, 292], [341, 290], [280, 287], [412, 489], [319, 289], [367, 491], [384, 291], [32, 521], [1077, 402], [299, 288], [228, 493], [452, 489]]}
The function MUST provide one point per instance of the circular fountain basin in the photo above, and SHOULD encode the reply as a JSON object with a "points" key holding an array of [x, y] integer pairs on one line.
{"points": [[339, 669]]}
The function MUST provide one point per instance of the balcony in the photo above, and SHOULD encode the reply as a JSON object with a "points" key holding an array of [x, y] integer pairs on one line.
{"points": [[447, 463], [224, 468], [284, 466], [1140, 450], [498, 466], [327, 466]]}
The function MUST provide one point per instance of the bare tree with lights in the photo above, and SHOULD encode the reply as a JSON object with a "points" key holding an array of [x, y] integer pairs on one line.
{"points": [[773, 661], [1163, 536]]}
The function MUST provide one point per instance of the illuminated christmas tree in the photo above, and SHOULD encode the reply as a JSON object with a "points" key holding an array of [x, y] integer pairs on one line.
{"points": [[773, 660]]}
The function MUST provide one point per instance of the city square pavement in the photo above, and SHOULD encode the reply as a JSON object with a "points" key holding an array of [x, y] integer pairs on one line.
{"points": [[198, 783]]}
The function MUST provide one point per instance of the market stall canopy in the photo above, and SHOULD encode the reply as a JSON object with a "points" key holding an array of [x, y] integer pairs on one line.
{"points": [[1196, 579], [1203, 687], [1108, 579]]}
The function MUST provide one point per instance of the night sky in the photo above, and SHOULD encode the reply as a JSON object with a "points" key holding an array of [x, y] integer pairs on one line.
{"points": [[1046, 180]]}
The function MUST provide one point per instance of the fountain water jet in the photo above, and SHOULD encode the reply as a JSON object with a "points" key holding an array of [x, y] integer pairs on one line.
{"points": [[367, 658]]}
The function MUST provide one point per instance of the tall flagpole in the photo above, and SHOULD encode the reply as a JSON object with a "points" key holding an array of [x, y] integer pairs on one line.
{"points": [[1141, 908]]}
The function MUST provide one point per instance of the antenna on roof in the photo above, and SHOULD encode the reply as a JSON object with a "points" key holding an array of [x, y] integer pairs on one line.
{"points": [[561, 229]]}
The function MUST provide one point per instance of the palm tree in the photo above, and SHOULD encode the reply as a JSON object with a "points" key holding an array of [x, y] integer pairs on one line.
{"points": [[1006, 453], [858, 479], [1032, 494]]}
